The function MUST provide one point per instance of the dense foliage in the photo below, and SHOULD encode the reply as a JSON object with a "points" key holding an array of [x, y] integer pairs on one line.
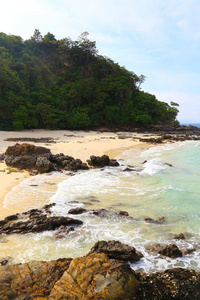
{"points": [[64, 84]]}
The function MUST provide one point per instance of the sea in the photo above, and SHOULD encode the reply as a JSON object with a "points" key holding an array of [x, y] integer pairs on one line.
{"points": [[164, 181]]}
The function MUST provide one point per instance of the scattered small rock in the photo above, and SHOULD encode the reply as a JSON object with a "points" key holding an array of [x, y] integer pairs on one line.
{"points": [[77, 211], [157, 221], [180, 236]]}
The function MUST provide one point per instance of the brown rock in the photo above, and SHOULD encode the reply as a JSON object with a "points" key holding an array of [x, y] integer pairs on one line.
{"points": [[123, 213], [27, 150], [188, 251], [102, 161], [43, 165], [31, 280], [171, 250], [62, 232], [157, 221], [180, 236], [95, 277]]}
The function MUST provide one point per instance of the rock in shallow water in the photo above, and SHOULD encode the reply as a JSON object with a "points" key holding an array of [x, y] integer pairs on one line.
{"points": [[35, 220], [170, 250], [116, 250]]}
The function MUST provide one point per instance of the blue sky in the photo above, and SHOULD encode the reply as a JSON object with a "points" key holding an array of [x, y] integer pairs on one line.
{"points": [[156, 38]]}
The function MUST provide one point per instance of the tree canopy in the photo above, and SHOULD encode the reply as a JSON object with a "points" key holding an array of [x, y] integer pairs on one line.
{"points": [[65, 84]]}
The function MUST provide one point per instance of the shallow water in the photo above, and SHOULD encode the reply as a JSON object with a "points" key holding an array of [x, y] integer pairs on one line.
{"points": [[154, 189]]}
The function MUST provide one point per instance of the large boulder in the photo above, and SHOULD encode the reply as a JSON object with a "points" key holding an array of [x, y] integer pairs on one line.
{"points": [[116, 250], [27, 156], [31, 280], [95, 277]]}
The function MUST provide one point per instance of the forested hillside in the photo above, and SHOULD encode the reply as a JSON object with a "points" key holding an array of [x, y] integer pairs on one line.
{"points": [[65, 84]]}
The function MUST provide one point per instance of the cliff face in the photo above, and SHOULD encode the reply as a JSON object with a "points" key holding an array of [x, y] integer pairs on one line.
{"points": [[95, 276]]}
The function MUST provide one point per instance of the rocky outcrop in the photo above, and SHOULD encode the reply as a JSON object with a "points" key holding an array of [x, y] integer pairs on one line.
{"points": [[95, 277], [174, 284], [67, 162], [116, 250], [174, 137], [31, 157], [35, 220], [31, 280], [102, 161], [27, 156], [27, 150]]}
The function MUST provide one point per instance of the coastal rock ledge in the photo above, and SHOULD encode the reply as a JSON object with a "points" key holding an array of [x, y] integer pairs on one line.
{"points": [[40, 159], [95, 276]]}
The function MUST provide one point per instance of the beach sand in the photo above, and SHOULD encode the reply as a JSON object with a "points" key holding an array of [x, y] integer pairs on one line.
{"points": [[79, 144]]}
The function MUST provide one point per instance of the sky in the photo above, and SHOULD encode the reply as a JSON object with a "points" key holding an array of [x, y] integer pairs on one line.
{"points": [[156, 38]]}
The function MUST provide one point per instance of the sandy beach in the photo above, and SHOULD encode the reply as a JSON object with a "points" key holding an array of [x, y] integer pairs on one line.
{"points": [[79, 144]]}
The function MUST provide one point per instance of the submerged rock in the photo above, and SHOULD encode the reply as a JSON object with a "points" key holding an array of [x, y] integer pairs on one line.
{"points": [[157, 221], [62, 231], [180, 236]]}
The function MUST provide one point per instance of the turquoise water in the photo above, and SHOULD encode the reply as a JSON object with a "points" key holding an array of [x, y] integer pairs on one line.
{"points": [[167, 185]]}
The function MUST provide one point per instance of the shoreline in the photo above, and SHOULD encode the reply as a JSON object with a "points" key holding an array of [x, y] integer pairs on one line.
{"points": [[79, 144]]}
